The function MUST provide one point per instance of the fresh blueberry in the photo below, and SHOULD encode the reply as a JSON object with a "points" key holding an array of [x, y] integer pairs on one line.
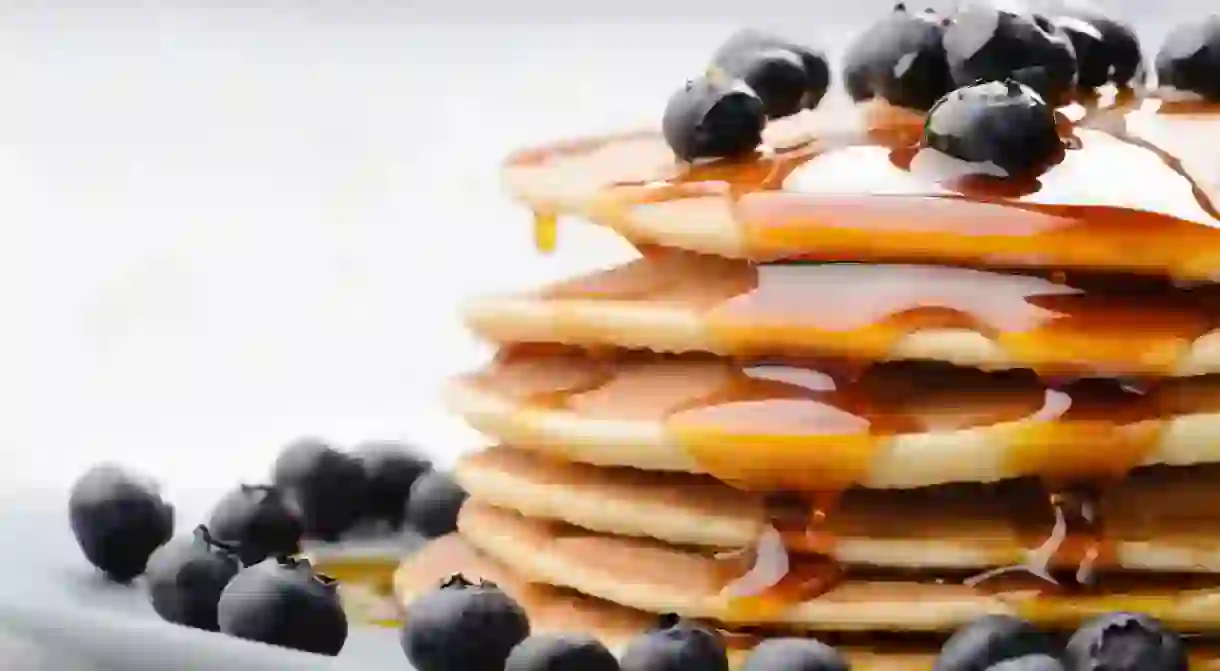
{"points": [[324, 484], [1107, 50], [1029, 663], [258, 521], [713, 117], [677, 645], [118, 519], [987, 43], [283, 602], [186, 576], [461, 626], [1189, 59], [389, 471], [900, 59], [434, 503], [1003, 125], [1125, 642], [561, 652], [990, 640], [738, 52], [795, 654]]}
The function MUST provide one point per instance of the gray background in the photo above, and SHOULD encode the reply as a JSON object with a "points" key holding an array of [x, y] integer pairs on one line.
{"points": [[226, 225]]}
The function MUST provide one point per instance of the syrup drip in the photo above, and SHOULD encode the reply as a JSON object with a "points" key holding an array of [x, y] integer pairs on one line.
{"points": [[816, 191], [546, 229]]}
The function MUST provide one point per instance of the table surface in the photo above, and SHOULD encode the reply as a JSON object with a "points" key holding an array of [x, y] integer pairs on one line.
{"points": [[226, 228]]}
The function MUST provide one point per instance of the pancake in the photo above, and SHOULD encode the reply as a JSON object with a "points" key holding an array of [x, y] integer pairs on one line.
{"points": [[673, 302], [843, 184], [810, 426], [1159, 519], [553, 610], [659, 578]]}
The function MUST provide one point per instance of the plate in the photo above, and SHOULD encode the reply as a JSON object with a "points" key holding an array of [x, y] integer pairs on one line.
{"points": [[57, 613]]}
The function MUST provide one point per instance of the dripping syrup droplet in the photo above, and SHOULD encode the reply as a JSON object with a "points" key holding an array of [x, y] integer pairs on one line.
{"points": [[546, 231]]}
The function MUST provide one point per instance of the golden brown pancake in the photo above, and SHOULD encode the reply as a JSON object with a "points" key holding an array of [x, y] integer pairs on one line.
{"points": [[553, 610], [809, 426], [1158, 519], [677, 302], [659, 578], [838, 184]]}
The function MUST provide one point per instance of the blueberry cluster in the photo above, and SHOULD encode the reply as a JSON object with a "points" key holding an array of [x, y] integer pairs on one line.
{"points": [[1116, 641], [753, 76], [237, 573], [913, 59], [465, 626]]}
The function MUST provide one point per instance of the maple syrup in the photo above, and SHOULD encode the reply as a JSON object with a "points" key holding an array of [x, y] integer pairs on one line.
{"points": [[1135, 192]]}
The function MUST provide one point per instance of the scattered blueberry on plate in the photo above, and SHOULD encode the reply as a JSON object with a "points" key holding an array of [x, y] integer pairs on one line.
{"points": [[390, 469], [795, 654], [1107, 50], [990, 640], [324, 484], [463, 626], [900, 59], [1004, 125], [987, 43], [186, 577], [1189, 59], [1125, 642], [118, 519], [678, 645], [284, 602], [433, 504], [561, 652], [713, 117], [786, 76], [258, 522]]}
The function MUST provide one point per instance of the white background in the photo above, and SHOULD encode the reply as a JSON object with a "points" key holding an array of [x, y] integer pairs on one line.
{"points": [[222, 227]]}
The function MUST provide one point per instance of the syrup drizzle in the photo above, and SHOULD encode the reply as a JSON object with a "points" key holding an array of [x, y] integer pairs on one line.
{"points": [[874, 196], [813, 193]]}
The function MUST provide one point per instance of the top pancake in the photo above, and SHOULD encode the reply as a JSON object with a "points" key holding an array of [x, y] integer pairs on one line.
{"points": [[1134, 193]]}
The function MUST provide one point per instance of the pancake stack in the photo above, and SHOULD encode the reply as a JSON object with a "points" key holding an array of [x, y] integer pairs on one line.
{"points": [[843, 393]]}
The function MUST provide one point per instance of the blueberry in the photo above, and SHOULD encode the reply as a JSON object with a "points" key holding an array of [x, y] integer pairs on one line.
{"points": [[737, 57], [1028, 663], [990, 640], [461, 626], [434, 503], [258, 522], [561, 652], [283, 602], [118, 519], [713, 117], [389, 471], [677, 645], [1003, 125], [1107, 50], [1125, 642], [1189, 59], [900, 59], [795, 654], [324, 484], [987, 43], [186, 576]]}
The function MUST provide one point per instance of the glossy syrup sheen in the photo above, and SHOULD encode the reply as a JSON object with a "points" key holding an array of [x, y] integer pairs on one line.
{"points": [[812, 429], [1135, 192], [817, 425], [1052, 323]]}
